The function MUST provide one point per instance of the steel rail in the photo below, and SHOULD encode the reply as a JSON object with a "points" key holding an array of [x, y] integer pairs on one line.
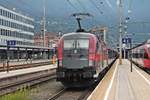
{"points": [[12, 87], [57, 94]]}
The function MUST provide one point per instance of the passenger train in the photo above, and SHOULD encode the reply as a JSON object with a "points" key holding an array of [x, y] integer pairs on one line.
{"points": [[82, 58], [141, 55]]}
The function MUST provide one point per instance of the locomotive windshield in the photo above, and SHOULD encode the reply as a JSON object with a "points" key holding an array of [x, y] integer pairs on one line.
{"points": [[75, 52], [76, 44]]}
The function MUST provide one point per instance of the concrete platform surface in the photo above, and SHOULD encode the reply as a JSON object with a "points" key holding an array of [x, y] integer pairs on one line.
{"points": [[121, 84], [21, 62]]}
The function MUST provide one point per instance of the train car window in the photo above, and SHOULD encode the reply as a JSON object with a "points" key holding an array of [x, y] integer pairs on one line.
{"points": [[141, 54], [137, 54], [133, 55], [146, 55], [97, 46]]}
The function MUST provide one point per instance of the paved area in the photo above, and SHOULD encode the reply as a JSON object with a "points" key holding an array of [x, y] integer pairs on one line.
{"points": [[25, 71], [121, 84]]}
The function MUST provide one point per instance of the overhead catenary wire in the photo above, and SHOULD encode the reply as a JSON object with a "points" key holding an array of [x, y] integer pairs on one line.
{"points": [[82, 6], [112, 40], [100, 12], [109, 4], [27, 7], [94, 4], [72, 5]]}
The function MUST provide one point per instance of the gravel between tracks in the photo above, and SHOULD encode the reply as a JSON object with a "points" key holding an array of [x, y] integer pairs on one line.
{"points": [[44, 90]]}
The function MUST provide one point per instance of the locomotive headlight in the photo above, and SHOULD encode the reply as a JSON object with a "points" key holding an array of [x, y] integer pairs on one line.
{"points": [[90, 62]]}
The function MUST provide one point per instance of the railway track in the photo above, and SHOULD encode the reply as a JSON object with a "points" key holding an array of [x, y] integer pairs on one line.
{"points": [[12, 84], [22, 66], [73, 93], [57, 94], [76, 93]]}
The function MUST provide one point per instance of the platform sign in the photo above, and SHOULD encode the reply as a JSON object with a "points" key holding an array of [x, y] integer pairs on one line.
{"points": [[126, 40], [11, 42]]}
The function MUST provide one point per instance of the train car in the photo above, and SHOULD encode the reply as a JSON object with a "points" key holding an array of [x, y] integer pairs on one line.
{"points": [[81, 59], [141, 55]]}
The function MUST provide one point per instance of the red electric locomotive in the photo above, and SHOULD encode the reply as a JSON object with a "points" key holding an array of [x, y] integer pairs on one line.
{"points": [[82, 57], [141, 55]]}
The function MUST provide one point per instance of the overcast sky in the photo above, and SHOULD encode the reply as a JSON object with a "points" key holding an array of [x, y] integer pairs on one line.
{"points": [[64, 8]]}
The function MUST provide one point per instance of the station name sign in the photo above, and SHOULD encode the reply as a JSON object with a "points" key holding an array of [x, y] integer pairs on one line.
{"points": [[11, 42], [126, 40]]}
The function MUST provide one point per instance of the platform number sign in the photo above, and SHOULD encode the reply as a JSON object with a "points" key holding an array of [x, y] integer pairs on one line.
{"points": [[11, 43], [126, 40]]}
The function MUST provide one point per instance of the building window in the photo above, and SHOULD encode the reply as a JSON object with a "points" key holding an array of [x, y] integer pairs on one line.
{"points": [[1, 12]]}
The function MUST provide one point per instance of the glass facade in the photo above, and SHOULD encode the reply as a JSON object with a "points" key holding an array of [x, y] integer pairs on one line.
{"points": [[16, 26], [15, 17]]}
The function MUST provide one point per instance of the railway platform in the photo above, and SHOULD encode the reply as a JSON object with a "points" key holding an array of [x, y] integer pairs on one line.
{"points": [[26, 71], [122, 84], [23, 61]]}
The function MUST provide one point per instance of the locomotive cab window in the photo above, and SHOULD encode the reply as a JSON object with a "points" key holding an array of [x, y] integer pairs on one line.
{"points": [[83, 43], [76, 44], [68, 44]]}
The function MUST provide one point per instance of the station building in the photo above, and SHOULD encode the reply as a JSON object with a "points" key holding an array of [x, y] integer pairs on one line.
{"points": [[18, 27], [51, 39]]}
